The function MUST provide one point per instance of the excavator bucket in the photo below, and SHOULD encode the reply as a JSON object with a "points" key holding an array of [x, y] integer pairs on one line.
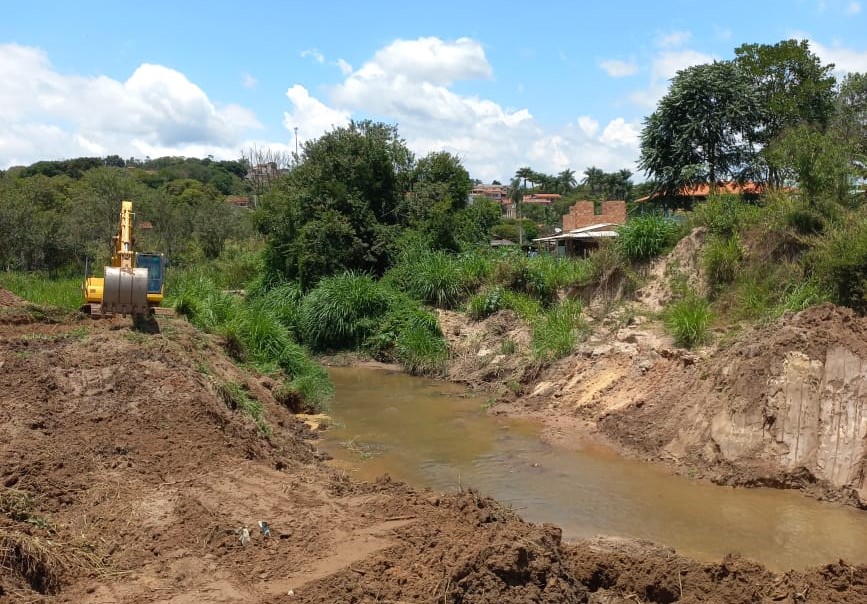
{"points": [[125, 291]]}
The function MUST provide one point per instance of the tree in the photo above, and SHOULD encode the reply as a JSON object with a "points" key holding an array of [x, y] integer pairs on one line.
{"points": [[702, 129], [593, 178], [566, 181], [850, 113], [820, 161], [344, 194], [446, 169], [792, 86]]}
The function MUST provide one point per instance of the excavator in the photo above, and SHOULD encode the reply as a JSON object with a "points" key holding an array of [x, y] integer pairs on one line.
{"points": [[133, 283]]}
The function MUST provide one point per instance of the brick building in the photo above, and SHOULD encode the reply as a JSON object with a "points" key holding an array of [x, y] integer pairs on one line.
{"points": [[583, 214]]}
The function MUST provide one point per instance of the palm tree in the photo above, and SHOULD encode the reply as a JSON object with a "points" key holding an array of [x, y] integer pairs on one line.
{"points": [[566, 181], [593, 178]]}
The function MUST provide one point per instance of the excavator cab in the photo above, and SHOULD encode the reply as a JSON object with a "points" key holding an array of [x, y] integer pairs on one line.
{"points": [[155, 265]]}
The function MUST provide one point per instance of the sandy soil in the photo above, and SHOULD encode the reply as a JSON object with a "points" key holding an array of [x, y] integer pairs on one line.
{"points": [[127, 477]]}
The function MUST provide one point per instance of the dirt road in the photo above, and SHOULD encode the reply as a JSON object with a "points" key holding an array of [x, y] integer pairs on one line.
{"points": [[127, 476]]}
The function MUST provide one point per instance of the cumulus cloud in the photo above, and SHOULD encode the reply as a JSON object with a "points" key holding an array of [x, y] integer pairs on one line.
{"points": [[845, 60], [410, 82], [619, 69], [664, 66], [344, 66], [47, 114]]}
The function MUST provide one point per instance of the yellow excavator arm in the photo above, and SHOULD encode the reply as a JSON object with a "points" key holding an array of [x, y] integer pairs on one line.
{"points": [[133, 282]]}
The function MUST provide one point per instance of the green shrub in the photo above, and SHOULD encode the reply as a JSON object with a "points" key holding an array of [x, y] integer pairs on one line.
{"points": [[476, 268], [556, 332], [435, 278], [839, 263], [341, 311], [688, 320], [562, 272], [722, 257], [724, 214], [526, 307], [485, 304], [645, 237], [420, 347], [518, 274]]}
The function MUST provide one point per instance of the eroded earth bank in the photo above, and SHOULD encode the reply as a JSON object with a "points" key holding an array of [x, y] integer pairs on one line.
{"points": [[129, 473]]}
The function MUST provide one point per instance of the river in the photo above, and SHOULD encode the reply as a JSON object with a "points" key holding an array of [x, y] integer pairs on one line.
{"points": [[435, 434]]}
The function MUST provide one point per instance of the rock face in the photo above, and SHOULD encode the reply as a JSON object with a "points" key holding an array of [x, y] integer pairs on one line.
{"points": [[785, 405]]}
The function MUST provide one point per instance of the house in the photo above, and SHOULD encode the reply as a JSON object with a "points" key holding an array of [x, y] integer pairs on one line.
{"points": [[578, 242], [584, 213], [240, 201], [700, 192], [496, 192], [542, 199]]}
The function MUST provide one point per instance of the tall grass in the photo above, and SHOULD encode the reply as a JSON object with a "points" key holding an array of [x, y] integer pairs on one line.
{"points": [[40, 288], [556, 332], [645, 237], [341, 311], [722, 257], [839, 262], [255, 333], [724, 215], [688, 320]]}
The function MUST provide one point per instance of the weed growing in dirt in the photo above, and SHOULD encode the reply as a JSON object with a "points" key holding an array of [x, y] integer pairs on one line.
{"points": [[508, 346], [485, 304], [237, 399], [724, 214], [722, 258], [688, 320], [839, 263], [556, 332]]}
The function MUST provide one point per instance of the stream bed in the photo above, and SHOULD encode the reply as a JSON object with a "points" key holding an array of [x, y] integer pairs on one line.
{"points": [[435, 434]]}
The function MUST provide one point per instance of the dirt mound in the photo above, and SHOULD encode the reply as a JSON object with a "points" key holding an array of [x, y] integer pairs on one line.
{"points": [[783, 406], [7, 298], [685, 260], [487, 353]]}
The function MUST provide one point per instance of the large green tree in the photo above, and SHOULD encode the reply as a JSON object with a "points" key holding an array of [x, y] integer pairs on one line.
{"points": [[702, 129], [793, 89]]}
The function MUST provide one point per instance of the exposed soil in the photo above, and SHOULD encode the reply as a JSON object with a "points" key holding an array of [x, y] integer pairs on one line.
{"points": [[127, 477]]}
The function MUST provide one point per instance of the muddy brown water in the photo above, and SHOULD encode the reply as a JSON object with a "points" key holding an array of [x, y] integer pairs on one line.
{"points": [[434, 434]]}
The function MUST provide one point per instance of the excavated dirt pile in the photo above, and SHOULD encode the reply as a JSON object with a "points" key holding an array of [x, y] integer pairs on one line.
{"points": [[786, 405], [130, 474]]}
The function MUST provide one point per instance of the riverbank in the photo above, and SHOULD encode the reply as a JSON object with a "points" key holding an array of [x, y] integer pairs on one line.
{"points": [[137, 469]]}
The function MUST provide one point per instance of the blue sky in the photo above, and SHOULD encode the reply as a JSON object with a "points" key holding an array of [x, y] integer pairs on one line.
{"points": [[546, 84]]}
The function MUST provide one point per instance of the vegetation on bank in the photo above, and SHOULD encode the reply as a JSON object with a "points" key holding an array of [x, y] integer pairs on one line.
{"points": [[355, 243]]}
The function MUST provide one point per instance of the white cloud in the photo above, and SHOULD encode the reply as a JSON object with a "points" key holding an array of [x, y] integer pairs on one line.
{"points": [[665, 66], [673, 39], [248, 81], [311, 116], [47, 114], [619, 69], [313, 53], [853, 8], [410, 82], [588, 125], [344, 67], [845, 60]]}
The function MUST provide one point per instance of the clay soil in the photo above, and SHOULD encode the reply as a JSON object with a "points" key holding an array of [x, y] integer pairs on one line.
{"points": [[128, 476]]}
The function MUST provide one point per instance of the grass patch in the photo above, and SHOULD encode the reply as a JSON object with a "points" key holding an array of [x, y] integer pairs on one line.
{"points": [[688, 320], [43, 289], [645, 237], [556, 332], [237, 399]]}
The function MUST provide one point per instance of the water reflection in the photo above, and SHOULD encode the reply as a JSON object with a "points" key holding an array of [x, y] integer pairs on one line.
{"points": [[431, 434]]}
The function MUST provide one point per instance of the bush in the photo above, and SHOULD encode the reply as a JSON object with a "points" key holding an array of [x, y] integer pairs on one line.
{"points": [[722, 257], [724, 214], [341, 311], [485, 304], [839, 264], [645, 237], [435, 278], [688, 320], [521, 275], [556, 332]]}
